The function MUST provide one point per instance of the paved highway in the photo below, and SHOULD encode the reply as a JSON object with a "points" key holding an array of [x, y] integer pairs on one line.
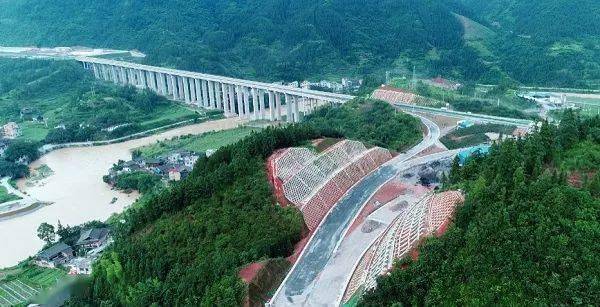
{"points": [[473, 116], [300, 282]]}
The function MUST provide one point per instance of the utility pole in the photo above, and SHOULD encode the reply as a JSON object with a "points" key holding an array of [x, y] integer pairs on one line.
{"points": [[414, 78]]}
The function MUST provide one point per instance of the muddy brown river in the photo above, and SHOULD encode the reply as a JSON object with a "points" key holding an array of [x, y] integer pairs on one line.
{"points": [[76, 190]]}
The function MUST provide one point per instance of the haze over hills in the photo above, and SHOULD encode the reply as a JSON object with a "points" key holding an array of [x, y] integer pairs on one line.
{"points": [[550, 43]]}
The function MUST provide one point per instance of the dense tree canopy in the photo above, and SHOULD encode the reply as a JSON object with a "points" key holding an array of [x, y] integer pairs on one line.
{"points": [[266, 39], [522, 235], [551, 42], [374, 122]]}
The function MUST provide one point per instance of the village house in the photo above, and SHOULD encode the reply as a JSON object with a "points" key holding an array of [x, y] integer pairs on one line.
{"points": [[54, 256], [190, 161], [11, 130], [93, 237], [174, 174], [80, 266]]}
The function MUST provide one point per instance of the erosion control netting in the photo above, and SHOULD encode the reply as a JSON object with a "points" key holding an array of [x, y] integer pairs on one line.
{"points": [[315, 182], [420, 219]]}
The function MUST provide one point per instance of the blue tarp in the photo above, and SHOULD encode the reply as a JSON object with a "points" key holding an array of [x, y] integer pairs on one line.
{"points": [[464, 155]]}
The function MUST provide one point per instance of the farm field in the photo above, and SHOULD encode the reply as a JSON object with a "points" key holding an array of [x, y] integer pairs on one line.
{"points": [[20, 284], [197, 143]]}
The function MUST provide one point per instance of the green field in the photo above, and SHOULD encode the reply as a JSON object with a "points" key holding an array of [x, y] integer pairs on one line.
{"points": [[197, 143], [5, 196], [18, 285]]}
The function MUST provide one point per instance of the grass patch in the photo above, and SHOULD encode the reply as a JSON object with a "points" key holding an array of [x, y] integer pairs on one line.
{"points": [[33, 131], [473, 29], [197, 143], [473, 135], [5, 196]]}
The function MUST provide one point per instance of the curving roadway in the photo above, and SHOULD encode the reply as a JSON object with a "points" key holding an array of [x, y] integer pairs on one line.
{"points": [[303, 278]]}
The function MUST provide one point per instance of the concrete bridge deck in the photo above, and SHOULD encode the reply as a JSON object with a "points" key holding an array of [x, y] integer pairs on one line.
{"points": [[236, 97]]}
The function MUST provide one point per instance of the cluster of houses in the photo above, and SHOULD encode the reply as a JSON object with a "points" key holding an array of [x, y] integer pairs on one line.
{"points": [[10, 131], [90, 245], [174, 166], [346, 85]]}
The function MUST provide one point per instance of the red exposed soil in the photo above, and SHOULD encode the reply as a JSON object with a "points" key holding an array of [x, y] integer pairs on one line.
{"points": [[442, 229], [276, 183], [575, 179], [385, 194], [248, 273]]}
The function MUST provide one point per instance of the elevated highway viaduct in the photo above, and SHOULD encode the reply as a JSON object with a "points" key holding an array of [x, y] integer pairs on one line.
{"points": [[235, 97], [243, 98]]}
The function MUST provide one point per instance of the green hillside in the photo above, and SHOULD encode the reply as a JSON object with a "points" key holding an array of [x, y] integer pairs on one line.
{"points": [[58, 102], [265, 39], [186, 245], [553, 42]]}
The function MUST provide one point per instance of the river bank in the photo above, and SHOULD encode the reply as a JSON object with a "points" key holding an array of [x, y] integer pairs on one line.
{"points": [[76, 190]]}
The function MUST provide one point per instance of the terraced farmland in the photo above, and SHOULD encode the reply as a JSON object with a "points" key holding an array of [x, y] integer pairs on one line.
{"points": [[20, 285]]}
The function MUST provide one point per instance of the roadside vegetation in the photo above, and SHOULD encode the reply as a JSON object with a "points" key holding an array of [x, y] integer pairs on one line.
{"points": [[524, 233], [373, 122], [191, 239], [5, 196], [500, 100]]}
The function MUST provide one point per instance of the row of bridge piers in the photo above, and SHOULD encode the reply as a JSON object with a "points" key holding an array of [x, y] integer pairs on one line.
{"points": [[235, 97]]}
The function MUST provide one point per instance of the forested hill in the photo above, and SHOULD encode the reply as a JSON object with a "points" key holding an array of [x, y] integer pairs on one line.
{"points": [[527, 233], [265, 39], [545, 20], [550, 42]]}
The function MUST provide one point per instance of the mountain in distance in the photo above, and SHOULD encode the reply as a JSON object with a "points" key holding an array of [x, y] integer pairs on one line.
{"points": [[551, 42], [264, 39]]}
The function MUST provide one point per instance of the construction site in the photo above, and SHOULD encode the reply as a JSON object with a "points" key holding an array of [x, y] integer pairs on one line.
{"points": [[363, 207]]}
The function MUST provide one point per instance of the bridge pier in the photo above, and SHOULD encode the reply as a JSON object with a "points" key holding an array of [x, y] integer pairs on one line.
{"points": [[236, 97]]}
